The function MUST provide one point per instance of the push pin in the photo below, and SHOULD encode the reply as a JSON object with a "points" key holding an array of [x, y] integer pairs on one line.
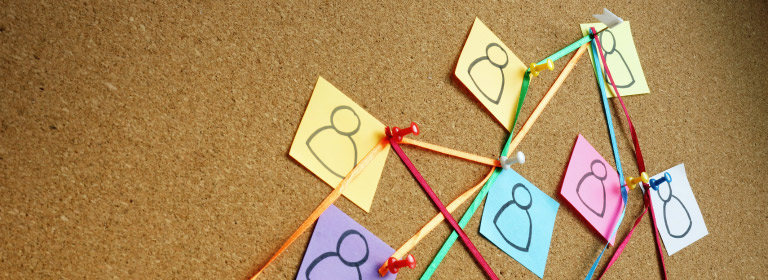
{"points": [[506, 163], [535, 69], [655, 183], [398, 133], [633, 181], [394, 265]]}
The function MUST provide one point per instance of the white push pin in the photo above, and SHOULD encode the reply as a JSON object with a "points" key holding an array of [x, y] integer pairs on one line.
{"points": [[609, 19], [506, 163]]}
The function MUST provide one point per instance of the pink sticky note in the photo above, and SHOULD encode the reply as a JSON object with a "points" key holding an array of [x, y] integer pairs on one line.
{"points": [[591, 185]]}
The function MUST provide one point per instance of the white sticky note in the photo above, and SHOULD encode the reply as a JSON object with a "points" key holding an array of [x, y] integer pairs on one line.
{"points": [[677, 214]]}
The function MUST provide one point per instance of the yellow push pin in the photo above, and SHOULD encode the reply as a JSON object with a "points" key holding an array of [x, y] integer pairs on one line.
{"points": [[633, 181], [535, 69]]}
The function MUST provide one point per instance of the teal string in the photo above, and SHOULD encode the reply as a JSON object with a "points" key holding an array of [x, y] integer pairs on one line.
{"points": [[484, 191], [614, 146]]}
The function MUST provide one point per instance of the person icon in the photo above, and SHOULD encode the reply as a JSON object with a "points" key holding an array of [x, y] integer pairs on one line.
{"points": [[612, 54], [594, 179], [521, 197], [347, 253], [344, 123], [679, 229], [487, 72]]}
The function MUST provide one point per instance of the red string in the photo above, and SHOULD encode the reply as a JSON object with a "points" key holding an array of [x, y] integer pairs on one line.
{"points": [[623, 243], [641, 167], [464, 238]]}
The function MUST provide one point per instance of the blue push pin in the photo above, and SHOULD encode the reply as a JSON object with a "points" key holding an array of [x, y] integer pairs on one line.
{"points": [[655, 183]]}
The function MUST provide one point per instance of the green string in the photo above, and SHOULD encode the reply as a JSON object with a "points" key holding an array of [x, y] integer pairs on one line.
{"points": [[484, 191]]}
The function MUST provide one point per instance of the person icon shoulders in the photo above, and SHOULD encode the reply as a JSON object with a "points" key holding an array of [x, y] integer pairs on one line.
{"points": [[345, 262], [619, 67], [672, 204], [595, 178], [487, 72], [330, 143], [519, 216]]}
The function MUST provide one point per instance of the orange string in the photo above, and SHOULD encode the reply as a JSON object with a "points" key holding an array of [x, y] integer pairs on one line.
{"points": [[354, 173], [424, 231], [545, 100], [452, 152]]}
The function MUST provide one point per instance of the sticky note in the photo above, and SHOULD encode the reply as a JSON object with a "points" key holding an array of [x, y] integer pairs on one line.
{"points": [[519, 218], [340, 248], [677, 214], [622, 59], [333, 136], [592, 187], [491, 72]]}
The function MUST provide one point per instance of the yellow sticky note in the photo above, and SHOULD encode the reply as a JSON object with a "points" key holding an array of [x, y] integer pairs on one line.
{"points": [[333, 136], [491, 72], [621, 57]]}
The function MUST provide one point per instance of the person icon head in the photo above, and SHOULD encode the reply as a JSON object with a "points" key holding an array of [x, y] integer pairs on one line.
{"points": [[496, 55], [347, 248], [608, 42], [348, 251], [521, 196], [668, 193], [340, 120], [599, 170]]}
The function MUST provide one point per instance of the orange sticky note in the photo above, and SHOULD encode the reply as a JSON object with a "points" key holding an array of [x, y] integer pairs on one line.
{"points": [[333, 136], [491, 72]]}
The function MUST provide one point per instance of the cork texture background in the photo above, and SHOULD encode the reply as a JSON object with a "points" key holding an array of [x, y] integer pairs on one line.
{"points": [[144, 140]]}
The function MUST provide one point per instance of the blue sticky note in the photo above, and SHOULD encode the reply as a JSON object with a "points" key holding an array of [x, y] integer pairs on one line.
{"points": [[341, 248], [519, 219]]}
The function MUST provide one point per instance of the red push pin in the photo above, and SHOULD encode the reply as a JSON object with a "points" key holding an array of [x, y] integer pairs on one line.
{"points": [[398, 133], [394, 265]]}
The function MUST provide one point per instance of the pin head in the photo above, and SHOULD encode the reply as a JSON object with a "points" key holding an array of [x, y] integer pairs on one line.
{"points": [[411, 261], [506, 162], [655, 183], [393, 265], [536, 69], [398, 133], [520, 157]]}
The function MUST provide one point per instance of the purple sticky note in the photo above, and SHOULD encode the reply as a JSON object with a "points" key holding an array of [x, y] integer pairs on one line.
{"points": [[341, 248], [591, 185]]}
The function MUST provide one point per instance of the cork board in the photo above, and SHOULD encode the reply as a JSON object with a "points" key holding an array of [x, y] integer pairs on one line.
{"points": [[150, 140]]}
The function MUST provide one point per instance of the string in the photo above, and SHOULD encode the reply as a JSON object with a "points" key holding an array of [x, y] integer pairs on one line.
{"points": [[527, 77], [641, 166], [624, 243], [424, 231], [464, 238], [353, 174], [337, 191], [451, 152], [616, 158], [511, 144], [579, 44]]}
